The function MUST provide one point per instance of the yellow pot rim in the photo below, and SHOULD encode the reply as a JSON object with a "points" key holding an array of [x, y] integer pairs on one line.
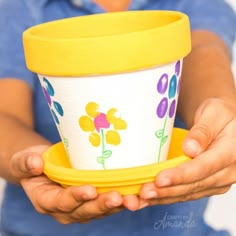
{"points": [[107, 43]]}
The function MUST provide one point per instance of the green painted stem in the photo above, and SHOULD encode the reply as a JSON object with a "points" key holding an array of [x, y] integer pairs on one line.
{"points": [[164, 127], [103, 148]]}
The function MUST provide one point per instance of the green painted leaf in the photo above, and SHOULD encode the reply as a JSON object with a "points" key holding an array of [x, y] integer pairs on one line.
{"points": [[66, 142], [107, 154], [163, 140], [100, 160], [159, 133]]}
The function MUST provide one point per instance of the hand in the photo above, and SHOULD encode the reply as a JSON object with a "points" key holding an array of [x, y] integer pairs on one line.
{"points": [[211, 143], [73, 204]]}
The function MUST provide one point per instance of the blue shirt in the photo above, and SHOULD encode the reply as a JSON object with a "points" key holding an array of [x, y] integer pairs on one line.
{"points": [[18, 216]]}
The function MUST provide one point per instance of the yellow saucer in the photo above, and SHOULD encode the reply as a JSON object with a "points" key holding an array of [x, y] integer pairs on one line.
{"points": [[126, 181]]}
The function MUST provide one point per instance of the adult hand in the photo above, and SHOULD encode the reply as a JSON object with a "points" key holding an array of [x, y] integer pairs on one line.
{"points": [[211, 144], [67, 205]]}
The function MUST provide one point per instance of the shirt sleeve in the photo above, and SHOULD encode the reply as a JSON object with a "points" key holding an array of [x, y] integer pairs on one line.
{"points": [[15, 17], [213, 15]]}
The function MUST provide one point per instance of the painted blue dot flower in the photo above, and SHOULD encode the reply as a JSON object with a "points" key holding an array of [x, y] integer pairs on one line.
{"points": [[55, 107], [172, 86]]}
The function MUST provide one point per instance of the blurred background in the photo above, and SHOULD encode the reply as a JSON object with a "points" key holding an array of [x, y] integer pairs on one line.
{"points": [[221, 211]]}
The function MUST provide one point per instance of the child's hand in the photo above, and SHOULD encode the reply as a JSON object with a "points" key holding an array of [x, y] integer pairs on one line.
{"points": [[73, 204], [212, 144]]}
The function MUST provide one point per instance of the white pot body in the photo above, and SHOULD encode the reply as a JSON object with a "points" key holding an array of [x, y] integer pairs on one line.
{"points": [[141, 106]]}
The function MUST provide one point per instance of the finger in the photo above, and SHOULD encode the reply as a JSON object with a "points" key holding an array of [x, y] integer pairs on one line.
{"points": [[67, 219], [222, 178], [152, 192], [189, 197], [104, 204], [225, 177], [48, 197], [28, 163], [206, 128], [205, 165], [131, 202], [148, 191]]}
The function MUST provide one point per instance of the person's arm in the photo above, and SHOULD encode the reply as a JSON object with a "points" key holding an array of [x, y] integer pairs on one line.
{"points": [[16, 125], [21, 151], [206, 74], [208, 106]]}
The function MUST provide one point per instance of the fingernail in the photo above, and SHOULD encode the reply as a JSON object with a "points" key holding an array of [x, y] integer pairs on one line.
{"points": [[33, 162], [164, 182], [143, 205], [150, 195], [87, 196], [111, 204], [30, 163], [192, 147]]}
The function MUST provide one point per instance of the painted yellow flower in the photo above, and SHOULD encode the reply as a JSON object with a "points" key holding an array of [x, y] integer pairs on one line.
{"points": [[86, 124], [95, 139], [92, 109], [114, 118], [113, 137], [103, 128]]}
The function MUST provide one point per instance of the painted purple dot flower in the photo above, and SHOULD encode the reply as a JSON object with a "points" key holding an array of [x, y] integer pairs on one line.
{"points": [[162, 108], [172, 108], [47, 96], [162, 84], [177, 68], [167, 106]]}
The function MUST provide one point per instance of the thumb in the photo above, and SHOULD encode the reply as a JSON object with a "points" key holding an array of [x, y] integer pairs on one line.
{"points": [[28, 163], [208, 123]]}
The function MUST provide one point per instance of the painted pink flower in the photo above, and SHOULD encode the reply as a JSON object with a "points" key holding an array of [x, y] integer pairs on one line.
{"points": [[101, 122]]}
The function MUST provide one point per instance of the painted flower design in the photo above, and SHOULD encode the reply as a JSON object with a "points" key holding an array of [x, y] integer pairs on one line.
{"points": [[168, 87], [55, 107], [103, 129]]}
